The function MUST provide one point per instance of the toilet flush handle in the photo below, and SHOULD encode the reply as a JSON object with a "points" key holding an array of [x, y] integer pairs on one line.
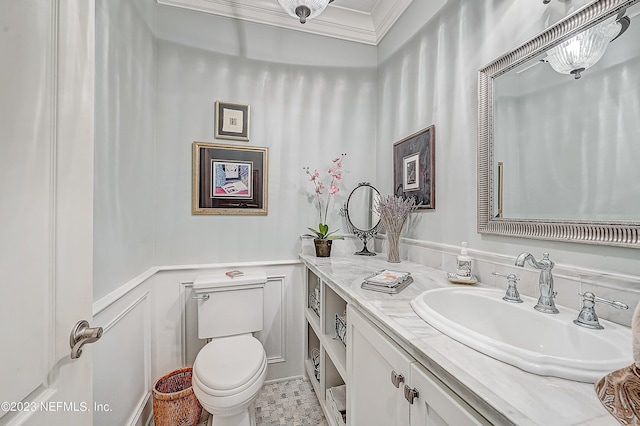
{"points": [[203, 297]]}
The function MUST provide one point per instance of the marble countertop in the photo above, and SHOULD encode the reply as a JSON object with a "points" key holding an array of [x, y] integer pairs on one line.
{"points": [[502, 393]]}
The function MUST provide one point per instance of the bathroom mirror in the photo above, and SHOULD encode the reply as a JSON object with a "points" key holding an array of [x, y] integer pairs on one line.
{"points": [[558, 153], [361, 216]]}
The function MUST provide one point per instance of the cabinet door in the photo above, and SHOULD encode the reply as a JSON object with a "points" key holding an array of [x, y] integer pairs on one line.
{"points": [[372, 398], [437, 405]]}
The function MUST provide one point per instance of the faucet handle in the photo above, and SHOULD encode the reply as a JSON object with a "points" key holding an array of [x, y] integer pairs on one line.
{"points": [[590, 296], [587, 316], [512, 294]]}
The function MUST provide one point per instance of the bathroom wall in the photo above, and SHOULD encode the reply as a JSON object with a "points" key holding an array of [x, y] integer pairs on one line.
{"points": [[160, 71], [311, 99], [432, 79], [124, 142]]}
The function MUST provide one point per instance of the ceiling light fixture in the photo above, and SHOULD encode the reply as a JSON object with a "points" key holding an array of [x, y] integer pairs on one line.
{"points": [[584, 50], [304, 9]]}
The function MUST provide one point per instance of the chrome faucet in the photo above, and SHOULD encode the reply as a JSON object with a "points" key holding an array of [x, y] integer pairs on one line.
{"points": [[545, 301]]}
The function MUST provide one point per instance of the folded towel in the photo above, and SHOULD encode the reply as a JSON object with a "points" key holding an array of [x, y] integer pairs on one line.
{"points": [[619, 391], [339, 394]]}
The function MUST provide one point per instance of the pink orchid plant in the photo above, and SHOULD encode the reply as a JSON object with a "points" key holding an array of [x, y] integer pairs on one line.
{"points": [[335, 173]]}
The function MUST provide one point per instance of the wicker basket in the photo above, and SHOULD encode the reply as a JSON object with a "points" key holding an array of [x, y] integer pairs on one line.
{"points": [[174, 402]]}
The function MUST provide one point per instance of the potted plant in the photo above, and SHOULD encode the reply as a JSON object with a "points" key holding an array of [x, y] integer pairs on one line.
{"points": [[322, 236]]}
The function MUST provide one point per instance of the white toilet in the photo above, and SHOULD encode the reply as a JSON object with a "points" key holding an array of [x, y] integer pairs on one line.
{"points": [[230, 370]]}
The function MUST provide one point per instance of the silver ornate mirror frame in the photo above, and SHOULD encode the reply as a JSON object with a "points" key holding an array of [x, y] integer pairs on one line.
{"points": [[624, 234], [364, 234]]}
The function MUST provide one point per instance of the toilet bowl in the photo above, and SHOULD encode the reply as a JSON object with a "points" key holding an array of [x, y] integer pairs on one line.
{"points": [[227, 376], [230, 370]]}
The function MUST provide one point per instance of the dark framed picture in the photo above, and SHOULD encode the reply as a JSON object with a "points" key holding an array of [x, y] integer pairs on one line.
{"points": [[414, 167], [229, 179], [232, 121]]}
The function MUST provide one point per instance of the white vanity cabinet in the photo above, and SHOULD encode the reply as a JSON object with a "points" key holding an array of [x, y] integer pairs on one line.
{"points": [[390, 350], [325, 353], [388, 387]]}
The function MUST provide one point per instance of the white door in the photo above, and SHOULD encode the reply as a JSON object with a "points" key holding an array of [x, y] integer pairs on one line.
{"points": [[46, 209]]}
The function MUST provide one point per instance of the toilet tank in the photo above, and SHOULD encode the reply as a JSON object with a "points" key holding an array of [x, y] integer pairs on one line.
{"points": [[235, 305]]}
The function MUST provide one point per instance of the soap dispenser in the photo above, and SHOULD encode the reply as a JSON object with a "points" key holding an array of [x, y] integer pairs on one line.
{"points": [[463, 269]]}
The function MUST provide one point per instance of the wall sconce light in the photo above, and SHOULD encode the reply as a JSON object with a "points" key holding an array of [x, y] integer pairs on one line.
{"points": [[584, 50], [304, 9]]}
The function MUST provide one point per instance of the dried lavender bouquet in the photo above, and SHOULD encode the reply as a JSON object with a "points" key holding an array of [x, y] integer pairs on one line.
{"points": [[394, 212]]}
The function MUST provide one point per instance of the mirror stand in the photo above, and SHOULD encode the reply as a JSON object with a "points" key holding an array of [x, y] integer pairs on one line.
{"points": [[364, 236]]}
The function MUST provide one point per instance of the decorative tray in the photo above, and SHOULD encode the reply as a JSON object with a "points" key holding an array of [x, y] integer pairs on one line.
{"points": [[387, 278], [386, 289]]}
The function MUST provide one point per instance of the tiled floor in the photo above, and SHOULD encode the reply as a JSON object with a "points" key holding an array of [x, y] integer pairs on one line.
{"points": [[291, 403]]}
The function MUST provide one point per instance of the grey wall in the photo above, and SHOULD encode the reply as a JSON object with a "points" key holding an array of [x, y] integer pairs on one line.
{"points": [[159, 72], [124, 142], [311, 98], [432, 79], [305, 114]]}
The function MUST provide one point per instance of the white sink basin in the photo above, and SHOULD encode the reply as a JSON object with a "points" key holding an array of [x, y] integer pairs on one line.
{"points": [[515, 333]]}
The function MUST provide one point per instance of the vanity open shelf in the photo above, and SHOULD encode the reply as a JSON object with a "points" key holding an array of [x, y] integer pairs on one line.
{"points": [[322, 306]]}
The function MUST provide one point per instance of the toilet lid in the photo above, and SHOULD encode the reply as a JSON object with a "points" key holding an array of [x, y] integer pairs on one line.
{"points": [[229, 362]]}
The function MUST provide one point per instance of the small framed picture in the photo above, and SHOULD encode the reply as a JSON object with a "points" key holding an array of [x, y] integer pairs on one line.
{"points": [[414, 167], [229, 179], [232, 121]]}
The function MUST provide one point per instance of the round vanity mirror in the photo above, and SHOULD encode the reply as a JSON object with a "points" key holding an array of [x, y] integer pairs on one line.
{"points": [[362, 218]]}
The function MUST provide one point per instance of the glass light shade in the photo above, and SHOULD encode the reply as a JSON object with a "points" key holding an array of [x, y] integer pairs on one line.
{"points": [[296, 7], [584, 50]]}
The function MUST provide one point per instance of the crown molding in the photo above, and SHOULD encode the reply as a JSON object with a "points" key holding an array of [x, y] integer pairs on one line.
{"points": [[335, 21]]}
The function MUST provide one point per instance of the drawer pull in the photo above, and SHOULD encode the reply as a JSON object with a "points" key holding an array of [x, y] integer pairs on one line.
{"points": [[410, 394], [396, 378]]}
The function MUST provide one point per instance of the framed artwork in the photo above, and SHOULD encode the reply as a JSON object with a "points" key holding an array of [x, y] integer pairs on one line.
{"points": [[229, 179], [232, 121], [414, 167]]}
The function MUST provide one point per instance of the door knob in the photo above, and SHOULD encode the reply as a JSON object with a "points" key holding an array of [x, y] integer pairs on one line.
{"points": [[82, 334]]}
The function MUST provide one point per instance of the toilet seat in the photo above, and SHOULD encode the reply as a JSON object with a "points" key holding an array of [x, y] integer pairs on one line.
{"points": [[229, 365]]}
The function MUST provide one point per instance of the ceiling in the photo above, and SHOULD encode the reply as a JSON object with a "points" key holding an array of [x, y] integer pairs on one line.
{"points": [[362, 21]]}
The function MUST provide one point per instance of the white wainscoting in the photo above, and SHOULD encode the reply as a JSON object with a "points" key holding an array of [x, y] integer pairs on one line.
{"points": [[122, 359], [150, 329]]}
